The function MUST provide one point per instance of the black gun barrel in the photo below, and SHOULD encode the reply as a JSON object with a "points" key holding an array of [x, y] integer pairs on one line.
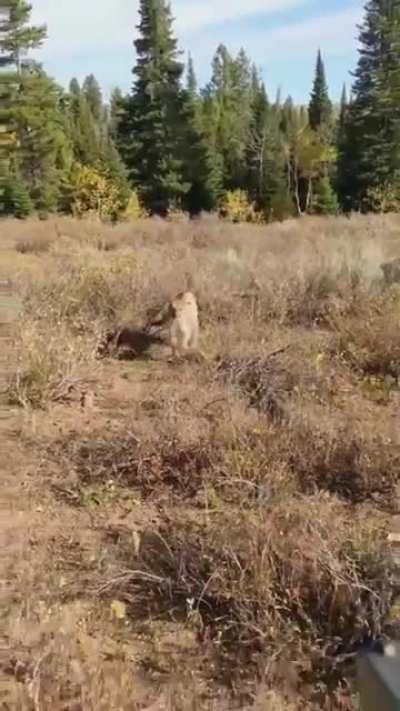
{"points": [[379, 679]]}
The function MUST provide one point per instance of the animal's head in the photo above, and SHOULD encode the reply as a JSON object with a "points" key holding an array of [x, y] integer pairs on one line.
{"points": [[184, 299]]}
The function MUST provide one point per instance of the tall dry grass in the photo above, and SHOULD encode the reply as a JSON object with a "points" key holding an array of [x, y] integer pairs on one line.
{"points": [[273, 467]]}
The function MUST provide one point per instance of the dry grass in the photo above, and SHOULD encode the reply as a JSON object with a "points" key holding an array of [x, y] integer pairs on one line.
{"points": [[284, 576], [240, 507]]}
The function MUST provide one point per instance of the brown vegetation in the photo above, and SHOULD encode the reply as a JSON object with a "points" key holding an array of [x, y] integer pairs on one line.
{"points": [[204, 535]]}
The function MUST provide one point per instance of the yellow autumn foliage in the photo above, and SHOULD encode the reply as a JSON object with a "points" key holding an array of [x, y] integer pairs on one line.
{"points": [[236, 207], [134, 209], [95, 193]]}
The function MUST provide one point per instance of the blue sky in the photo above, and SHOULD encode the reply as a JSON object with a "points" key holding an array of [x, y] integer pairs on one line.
{"points": [[280, 36]]}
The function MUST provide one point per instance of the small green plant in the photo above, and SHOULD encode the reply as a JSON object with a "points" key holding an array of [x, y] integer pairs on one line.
{"points": [[281, 206]]}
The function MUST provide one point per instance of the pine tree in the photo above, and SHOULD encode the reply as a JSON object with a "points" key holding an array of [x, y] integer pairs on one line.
{"points": [[209, 122], [16, 38], [191, 81], [116, 102], [214, 107], [267, 185], [257, 144], [92, 129], [324, 201], [87, 142], [344, 104], [320, 106], [256, 84], [119, 122], [16, 198], [288, 115], [19, 36], [343, 154], [221, 71], [8, 88], [197, 164], [154, 119], [92, 93], [45, 156], [229, 97], [197, 161], [85, 129], [74, 88], [369, 155]]}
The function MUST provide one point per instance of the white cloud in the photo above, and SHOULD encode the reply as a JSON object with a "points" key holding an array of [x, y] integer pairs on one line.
{"points": [[96, 35], [335, 33], [195, 14], [93, 25], [109, 24]]}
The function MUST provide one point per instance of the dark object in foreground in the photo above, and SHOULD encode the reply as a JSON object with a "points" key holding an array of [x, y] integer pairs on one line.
{"points": [[128, 343], [391, 271], [379, 678]]}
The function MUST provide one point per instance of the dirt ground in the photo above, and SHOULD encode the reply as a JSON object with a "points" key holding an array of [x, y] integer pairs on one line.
{"points": [[155, 520], [63, 646]]}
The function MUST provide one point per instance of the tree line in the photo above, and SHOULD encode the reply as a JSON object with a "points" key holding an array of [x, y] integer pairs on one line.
{"points": [[169, 145]]}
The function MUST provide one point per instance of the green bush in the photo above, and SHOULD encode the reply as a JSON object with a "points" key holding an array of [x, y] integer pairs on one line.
{"points": [[17, 201], [281, 206], [325, 200]]}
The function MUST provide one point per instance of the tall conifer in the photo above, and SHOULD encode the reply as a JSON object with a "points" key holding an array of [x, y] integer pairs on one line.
{"points": [[370, 148], [155, 112], [17, 37], [320, 106]]}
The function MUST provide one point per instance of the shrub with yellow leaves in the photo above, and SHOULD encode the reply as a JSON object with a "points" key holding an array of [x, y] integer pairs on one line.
{"points": [[95, 193], [236, 207], [134, 209]]}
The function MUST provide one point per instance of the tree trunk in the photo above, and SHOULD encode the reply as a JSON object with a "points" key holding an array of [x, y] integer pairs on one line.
{"points": [[309, 194], [297, 191]]}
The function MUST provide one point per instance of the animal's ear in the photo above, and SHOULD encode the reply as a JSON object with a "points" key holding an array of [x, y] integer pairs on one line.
{"points": [[170, 311], [189, 282]]}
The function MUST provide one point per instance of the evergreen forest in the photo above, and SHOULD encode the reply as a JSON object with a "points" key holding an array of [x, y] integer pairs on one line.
{"points": [[171, 146]]}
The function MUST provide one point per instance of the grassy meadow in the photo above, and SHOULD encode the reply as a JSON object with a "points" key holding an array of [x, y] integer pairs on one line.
{"points": [[200, 536]]}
